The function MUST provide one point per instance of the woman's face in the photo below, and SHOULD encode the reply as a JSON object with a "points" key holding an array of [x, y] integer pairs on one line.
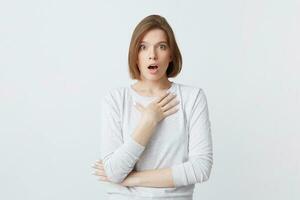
{"points": [[154, 55]]}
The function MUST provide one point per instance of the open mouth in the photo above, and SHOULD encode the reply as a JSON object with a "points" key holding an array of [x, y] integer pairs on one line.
{"points": [[153, 69]]}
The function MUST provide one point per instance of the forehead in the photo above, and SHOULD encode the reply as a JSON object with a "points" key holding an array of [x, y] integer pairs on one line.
{"points": [[155, 35]]}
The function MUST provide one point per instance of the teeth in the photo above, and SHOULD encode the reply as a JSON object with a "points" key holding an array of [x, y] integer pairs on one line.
{"points": [[152, 67]]}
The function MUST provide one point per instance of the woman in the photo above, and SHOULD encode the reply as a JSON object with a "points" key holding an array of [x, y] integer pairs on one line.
{"points": [[156, 139]]}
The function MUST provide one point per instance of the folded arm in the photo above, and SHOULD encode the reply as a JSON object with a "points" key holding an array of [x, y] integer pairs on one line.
{"points": [[119, 157], [198, 167]]}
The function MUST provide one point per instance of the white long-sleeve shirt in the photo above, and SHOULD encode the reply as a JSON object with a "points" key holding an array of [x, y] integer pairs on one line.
{"points": [[181, 141]]}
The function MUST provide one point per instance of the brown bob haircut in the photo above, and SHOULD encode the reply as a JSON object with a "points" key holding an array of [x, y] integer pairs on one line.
{"points": [[149, 23]]}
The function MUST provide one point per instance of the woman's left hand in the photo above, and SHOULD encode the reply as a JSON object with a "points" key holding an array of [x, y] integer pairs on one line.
{"points": [[130, 180], [99, 171]]}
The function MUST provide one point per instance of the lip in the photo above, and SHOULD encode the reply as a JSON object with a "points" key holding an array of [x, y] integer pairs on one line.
{"points": [[153, 64], [153, 71]]}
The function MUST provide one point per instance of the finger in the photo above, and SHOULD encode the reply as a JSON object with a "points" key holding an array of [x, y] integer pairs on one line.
{"points": [[96, 166], [99, 173], [103, 178], [99, 162], [170, 105], [171, 111], [161, 97], [167, 99]]}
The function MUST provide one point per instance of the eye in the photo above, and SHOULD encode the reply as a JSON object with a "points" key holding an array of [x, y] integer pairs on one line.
{"points": [[163, 47], [142, 47]]}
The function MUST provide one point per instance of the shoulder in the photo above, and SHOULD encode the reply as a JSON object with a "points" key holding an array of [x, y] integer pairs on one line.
{"points": [[191, 92], [114, 96], [115, 92], [193, 97]]}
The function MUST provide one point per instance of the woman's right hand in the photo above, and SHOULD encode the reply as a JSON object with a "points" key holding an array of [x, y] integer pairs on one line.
{"points": [[160, 108]]}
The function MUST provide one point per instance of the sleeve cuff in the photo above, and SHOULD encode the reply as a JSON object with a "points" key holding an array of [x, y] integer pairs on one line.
{"points": [[133, 147], [179, 176]]}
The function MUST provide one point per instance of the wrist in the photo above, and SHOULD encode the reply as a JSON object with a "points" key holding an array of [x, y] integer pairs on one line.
{"points": [[148, 122], [131, 180]]}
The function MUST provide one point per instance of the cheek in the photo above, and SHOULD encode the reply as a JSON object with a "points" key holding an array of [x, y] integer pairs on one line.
{"points": [[141, 58], [166, 57], [140, 63]]}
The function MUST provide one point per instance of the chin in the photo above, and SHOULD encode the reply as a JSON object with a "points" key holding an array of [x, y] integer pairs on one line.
{"points": [[153, 78]]}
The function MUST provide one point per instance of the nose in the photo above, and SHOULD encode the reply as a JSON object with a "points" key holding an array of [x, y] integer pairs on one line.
{"points": [[152, 53]]}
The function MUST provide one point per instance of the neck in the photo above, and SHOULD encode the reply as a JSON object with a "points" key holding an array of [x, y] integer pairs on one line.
{"points": [[152, 87]]}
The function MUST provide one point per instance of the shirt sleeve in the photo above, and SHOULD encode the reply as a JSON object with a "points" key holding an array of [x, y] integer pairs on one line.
{"points": [[198, 167], [118, 157]]}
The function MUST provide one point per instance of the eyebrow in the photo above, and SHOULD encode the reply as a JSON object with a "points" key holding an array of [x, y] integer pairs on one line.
{"points": [[156, 43]]}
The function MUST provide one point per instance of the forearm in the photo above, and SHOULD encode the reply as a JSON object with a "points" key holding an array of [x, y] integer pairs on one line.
{"points": [[161, 178], [143, 131], [196, 170], [119, 164]]}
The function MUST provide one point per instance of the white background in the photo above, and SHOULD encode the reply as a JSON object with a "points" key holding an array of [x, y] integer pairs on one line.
{"points": [[57, 58]]}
